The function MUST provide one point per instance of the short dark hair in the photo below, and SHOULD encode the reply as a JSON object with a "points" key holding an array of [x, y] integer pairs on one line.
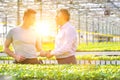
{"points": [[28, 12], [66, 13]]}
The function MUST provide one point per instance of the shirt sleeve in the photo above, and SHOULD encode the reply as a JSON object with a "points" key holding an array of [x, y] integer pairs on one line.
{"points": [[9, 35], [68, 41]]}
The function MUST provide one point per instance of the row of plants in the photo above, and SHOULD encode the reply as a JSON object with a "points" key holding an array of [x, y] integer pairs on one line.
{"points": [[89, 57], [96, 46], [99, 46], [60, 72], [85, 57]]}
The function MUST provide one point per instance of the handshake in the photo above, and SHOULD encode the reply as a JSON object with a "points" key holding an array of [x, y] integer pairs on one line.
{"points": [[45, 54]]}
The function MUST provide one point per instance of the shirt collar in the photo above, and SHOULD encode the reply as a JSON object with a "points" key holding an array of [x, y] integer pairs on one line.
{"points": [[65, 25]]}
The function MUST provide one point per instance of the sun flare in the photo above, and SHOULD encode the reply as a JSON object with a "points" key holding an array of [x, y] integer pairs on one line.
{"points": [[43, 28]]}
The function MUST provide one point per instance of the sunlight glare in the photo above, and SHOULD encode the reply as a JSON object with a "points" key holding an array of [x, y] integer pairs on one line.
{"points": [[43, 28]]}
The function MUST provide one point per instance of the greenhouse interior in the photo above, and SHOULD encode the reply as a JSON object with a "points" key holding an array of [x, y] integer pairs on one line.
{"points": [[97, 23]]}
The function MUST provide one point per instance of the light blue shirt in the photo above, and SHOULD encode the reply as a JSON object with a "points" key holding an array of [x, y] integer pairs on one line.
{"points": [[66, 41], [24, 41]]}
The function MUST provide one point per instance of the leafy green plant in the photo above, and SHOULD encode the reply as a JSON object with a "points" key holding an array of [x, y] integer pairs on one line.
{"points": [[84, 57], [60, 72], [102, 46]]}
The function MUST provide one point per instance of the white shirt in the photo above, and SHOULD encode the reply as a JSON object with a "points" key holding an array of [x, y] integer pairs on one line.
{"points": [[65, 42], [24, 41]]}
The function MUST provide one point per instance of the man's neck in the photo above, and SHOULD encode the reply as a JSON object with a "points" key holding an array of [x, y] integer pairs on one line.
{"points": [[63, 23], [25, 26]]}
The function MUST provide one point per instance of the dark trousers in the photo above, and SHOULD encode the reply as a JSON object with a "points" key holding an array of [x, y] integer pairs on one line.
{"points": [[68, 60], [29, 61]]}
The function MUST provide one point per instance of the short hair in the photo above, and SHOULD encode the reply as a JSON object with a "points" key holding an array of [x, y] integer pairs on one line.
{"points": [[28, 12], [66, 13]]}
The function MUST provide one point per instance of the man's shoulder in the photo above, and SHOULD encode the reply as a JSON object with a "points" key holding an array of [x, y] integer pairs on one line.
{"points": [[70, 27], [15, 28]]}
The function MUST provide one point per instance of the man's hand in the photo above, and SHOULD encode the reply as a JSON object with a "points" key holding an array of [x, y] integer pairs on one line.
{"points": [[19, 58], [49, 55], [42, 54]]}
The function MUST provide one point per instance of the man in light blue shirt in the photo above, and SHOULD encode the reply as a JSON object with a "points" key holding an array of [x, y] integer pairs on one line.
{"points": [[66, 40]]}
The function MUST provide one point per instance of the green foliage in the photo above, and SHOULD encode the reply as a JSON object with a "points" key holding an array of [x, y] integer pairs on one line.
{"points": [[48, 46], [102, 46], [1, 48], [5, 58], [93, 57], [60, 72], [85, 57]]}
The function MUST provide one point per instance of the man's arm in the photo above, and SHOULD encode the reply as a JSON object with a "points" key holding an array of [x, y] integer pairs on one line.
{"points": [[11, 53], [38, 47], [7, 50]]}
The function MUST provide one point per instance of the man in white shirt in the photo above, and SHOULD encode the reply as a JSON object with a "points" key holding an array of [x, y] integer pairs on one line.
{"points": [[24, 40], [66, 40]]}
